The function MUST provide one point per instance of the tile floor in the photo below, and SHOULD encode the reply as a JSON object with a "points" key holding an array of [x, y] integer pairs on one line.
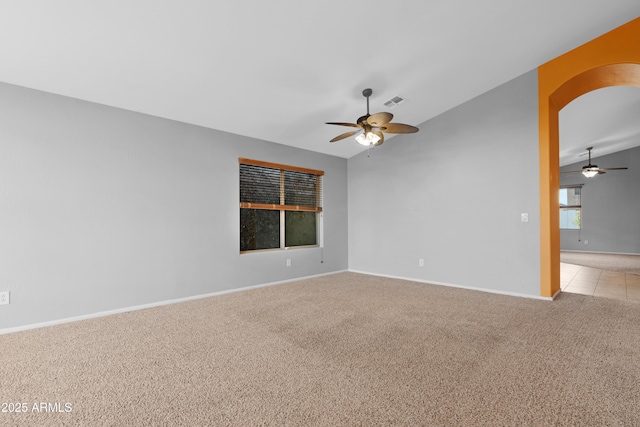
{"points": [[599, 283]]}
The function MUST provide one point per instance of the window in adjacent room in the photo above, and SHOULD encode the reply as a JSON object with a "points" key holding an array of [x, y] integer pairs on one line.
{"points": [[570, 208], [280, 206]]}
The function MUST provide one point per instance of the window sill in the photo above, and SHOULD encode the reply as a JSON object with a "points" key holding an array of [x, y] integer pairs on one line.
{"points": [[291, 248]]}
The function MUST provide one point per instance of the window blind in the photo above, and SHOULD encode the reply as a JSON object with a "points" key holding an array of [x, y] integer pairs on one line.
{"points": [[273, 186]]}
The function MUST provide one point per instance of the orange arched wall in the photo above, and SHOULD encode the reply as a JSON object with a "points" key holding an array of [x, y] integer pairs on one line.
{"points": [[612, 59]]}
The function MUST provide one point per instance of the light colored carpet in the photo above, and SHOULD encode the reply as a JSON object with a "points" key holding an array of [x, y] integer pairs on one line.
{"points": [[613, 262], [340, 350]]}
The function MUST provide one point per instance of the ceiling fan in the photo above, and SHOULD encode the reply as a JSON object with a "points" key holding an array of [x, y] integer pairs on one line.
{"points": [[372, 126], [593, 170]]}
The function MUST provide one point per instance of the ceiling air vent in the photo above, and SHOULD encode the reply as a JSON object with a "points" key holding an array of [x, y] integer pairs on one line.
{"points": [[395, 101]]}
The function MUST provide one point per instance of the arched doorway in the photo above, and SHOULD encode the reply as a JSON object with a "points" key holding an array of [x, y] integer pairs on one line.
{"points": [[610, 60]]}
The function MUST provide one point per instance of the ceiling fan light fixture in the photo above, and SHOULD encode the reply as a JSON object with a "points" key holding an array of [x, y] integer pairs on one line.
{"points": [[367, 138], [590, 172]]}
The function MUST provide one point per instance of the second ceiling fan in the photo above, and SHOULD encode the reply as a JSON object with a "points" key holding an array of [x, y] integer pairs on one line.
{"points": [[372, 126], [592, 170]]}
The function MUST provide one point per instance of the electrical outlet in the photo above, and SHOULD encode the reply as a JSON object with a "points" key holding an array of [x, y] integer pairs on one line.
{"points": [[586, 242], [288, 262], [420, 262], [4, 297]]}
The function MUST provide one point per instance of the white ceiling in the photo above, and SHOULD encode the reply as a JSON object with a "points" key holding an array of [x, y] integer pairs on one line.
{"points": [[277, 70]]}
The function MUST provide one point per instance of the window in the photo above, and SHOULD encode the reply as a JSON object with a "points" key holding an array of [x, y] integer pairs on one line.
{"points": [[280, 205], [570, 208]]}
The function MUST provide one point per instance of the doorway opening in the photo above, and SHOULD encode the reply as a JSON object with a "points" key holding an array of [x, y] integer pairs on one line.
{"points": [[598, 230], [610, 60]]}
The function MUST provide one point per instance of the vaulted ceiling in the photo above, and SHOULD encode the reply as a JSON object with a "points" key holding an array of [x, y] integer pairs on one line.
{"points": [[277, 70]]}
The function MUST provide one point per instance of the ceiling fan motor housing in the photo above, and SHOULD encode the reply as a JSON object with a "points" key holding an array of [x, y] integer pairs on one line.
{"points": [[362, 120]]}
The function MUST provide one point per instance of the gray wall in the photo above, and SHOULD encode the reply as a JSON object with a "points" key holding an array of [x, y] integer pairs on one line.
{"points": [[453, 194], [610, 206], [102, 209]]}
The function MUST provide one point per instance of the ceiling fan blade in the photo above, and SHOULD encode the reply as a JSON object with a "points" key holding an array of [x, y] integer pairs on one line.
{"points": [[379, 119], [398, 128], [381, 135], [613, 169], [353, 125], [567, 172], [344, 135]]}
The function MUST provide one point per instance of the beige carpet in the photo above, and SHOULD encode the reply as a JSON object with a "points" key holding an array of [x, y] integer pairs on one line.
{"points": [[341, 350], [613, 262]]}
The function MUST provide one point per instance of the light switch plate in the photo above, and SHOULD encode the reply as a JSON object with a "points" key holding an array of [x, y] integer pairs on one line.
{"points": [[4, 298]]}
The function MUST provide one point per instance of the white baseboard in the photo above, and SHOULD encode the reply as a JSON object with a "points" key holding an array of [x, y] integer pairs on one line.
{"points": [[598, 252], [154, 304], [452, 285]]}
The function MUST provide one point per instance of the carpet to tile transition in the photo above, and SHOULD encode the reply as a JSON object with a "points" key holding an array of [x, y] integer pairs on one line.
{"points": [[625, 263]]}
